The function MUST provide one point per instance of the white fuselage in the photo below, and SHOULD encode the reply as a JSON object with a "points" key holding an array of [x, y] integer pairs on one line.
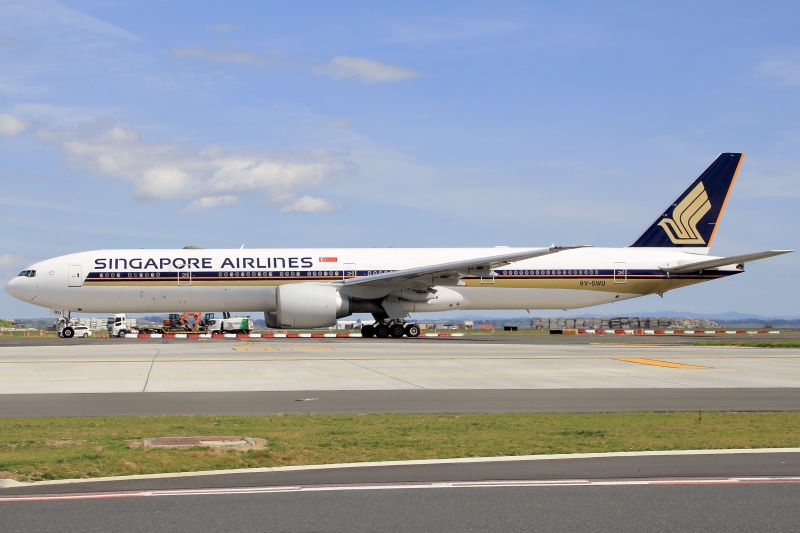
{"points": [[161, 280]]}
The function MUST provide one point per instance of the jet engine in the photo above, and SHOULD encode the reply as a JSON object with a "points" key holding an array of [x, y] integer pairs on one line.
{"points": [[307, 305]]}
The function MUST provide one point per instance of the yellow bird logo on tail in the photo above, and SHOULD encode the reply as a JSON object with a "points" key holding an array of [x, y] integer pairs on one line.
{"points": [[682, 227]]}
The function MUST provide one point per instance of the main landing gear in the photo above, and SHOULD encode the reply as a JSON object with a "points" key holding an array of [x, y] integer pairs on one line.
{"points": [[390, 328]]}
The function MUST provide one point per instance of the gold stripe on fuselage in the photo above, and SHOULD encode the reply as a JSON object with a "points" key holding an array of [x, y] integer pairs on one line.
{"points": [[639, 285]]}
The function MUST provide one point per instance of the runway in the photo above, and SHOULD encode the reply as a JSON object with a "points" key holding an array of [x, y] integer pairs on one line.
{"points": [[108, 377], [712, 491]]}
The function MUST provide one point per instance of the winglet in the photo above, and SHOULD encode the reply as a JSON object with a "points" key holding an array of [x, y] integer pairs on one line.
{"points": [[693, 218]]}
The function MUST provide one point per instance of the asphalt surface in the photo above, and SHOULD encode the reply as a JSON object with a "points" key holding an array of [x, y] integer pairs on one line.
{"points": [[261, 376], [398, 401], [476, 374], [688, 492], [660, 492]]}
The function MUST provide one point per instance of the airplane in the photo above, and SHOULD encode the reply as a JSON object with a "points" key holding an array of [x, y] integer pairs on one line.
{"points": [[311, 288]]}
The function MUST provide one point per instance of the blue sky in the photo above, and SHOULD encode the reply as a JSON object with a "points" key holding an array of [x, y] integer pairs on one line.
{"points": [[130, 124]]}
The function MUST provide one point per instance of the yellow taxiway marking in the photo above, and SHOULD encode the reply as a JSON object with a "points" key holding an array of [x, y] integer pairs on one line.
{"points": [[654, 362], [248, 349]]}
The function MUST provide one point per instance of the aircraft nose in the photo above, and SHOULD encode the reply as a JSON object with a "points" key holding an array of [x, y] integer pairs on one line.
{"points": [[12, 287]]}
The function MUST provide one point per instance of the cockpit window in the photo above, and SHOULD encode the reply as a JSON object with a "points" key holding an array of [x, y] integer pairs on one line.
{"points": [[28, 273]]}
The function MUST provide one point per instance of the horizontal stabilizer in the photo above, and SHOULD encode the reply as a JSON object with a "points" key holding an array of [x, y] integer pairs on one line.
{"points": [[722, 261]]}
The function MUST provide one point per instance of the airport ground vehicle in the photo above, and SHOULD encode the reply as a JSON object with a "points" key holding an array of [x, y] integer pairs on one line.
{"points": [[119, 324], [236, 324], [75, 331]]}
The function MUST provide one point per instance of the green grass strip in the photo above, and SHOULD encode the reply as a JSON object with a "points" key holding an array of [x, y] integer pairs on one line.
{"points": [[66, 448], [751, 343]]}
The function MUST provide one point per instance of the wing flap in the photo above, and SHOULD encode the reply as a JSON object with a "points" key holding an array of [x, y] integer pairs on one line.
{"points": [[722, 261]]}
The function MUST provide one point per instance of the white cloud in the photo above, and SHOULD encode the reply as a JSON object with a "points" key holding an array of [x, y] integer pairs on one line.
{"points": [[224, 27], [785, 70], [208, 202], [364, 69], [59, 20], [11, 126], [8, 260], [166, 182], [341, 123], [206, 177], [309, 204], [58, 116]]}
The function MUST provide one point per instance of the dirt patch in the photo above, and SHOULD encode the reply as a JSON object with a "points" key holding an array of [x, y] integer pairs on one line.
{"points": [[58, 443], [229, 443]]}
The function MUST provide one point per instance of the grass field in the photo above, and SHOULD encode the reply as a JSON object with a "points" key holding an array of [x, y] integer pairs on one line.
{"points": [[754, 343], [66, 448]]}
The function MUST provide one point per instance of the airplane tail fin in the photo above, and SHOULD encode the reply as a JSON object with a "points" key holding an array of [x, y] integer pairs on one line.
{"points": [[692, 219]]}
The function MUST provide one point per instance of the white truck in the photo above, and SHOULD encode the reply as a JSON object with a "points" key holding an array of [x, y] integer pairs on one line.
{"points": [[235, 324], [119, 324]]}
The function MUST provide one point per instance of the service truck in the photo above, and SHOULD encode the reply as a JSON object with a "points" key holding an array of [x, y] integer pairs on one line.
{"points": [[119, 324], [236, 324]]}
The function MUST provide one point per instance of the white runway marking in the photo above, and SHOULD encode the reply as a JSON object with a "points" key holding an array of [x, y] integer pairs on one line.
{"points": [[239, 491]]}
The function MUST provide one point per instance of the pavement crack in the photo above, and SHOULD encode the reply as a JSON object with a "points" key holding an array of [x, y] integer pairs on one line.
{"points": [[386, 375], [150, 370]]}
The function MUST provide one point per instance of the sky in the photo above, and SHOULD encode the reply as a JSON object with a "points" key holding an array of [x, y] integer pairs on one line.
{"points": [[161, 124]]}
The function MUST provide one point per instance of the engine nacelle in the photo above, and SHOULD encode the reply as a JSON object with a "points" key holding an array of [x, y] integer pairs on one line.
{"points": [[308, 305]]}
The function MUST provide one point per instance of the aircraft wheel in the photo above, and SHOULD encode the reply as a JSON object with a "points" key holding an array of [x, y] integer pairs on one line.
{"points": [[412, 330], [382, 331], [68, 333], [396, 331], [367, 331]]}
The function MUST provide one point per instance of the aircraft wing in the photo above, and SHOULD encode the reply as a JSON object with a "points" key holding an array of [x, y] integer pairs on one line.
{"points": [[446, 273], [722, 261]]}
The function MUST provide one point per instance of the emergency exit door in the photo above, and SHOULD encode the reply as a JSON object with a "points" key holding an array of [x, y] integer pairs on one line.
{"points": [[75, 278], [620, 273]]}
